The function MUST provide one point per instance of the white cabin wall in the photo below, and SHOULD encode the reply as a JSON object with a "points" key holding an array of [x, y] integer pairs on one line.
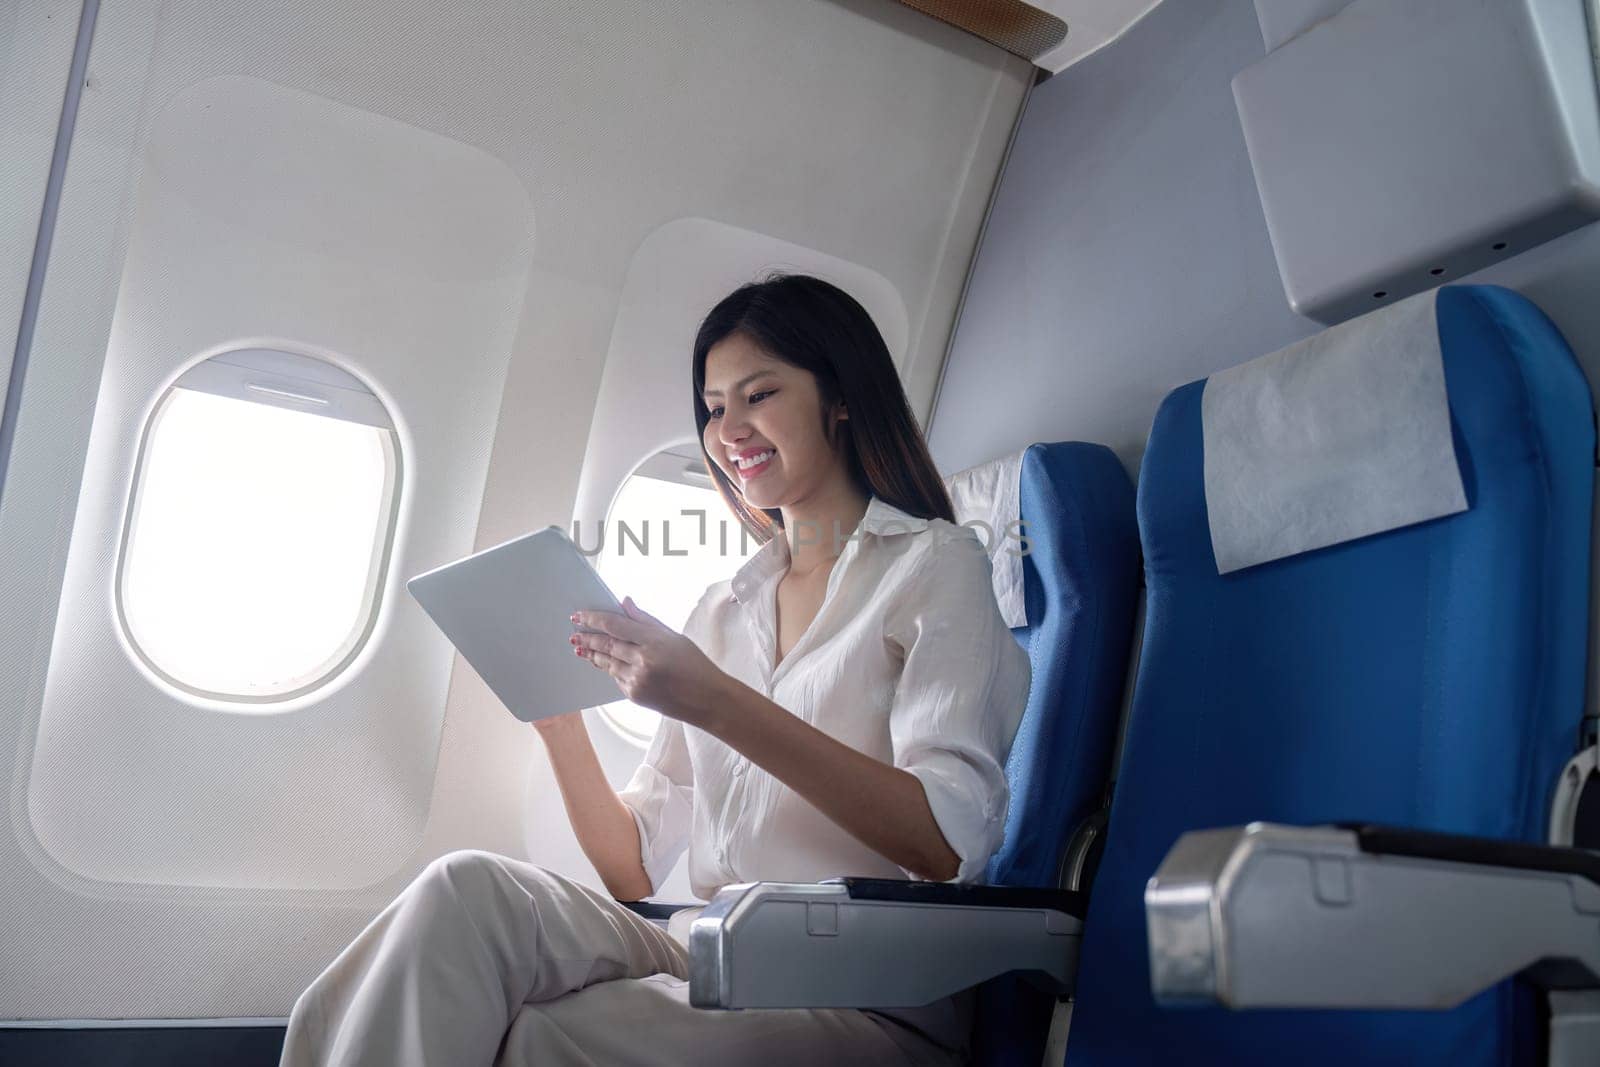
{"points": [[857, 128], [1127, 254]]}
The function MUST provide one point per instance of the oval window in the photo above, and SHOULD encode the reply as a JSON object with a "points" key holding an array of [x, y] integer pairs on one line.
{"points": [[259, 529], [667, 537]]}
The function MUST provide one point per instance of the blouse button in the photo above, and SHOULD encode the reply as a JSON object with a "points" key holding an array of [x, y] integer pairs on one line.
{"points": [[738, 769]]}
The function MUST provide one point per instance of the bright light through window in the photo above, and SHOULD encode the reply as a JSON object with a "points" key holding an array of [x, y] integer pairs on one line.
{"points": [[667, 586], [255, 544]]}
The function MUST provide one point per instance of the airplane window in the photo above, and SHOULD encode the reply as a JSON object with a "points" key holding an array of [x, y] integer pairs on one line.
{"points": [[259, 528], [667, 537]]}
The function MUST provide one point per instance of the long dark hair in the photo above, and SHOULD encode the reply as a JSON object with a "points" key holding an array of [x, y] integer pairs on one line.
{"points": [[818, 327]]}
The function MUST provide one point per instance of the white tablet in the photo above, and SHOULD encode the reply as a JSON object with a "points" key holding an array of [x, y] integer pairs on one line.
{"points": [[506, 610]]}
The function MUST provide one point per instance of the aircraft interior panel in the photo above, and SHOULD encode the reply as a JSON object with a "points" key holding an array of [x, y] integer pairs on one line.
{"points": [[110, 775], [582, 132]]}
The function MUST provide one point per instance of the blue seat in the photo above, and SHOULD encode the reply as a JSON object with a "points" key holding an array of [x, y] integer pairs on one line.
{"points": [[1081, 584], [1429, 677]]}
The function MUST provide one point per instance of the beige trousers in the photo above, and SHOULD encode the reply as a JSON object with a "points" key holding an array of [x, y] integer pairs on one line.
{"points": [[486, 960]]}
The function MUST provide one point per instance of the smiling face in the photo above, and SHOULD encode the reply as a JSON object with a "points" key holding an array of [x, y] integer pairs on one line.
{"points": [[759, 404]]}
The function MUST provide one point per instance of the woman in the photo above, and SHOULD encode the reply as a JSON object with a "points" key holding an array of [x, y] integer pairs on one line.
{"points": [[843, 705]]}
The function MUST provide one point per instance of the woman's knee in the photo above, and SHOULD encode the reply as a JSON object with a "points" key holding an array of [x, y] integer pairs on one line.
{"points": [[462, 863], [456, 880], [474, 879]]}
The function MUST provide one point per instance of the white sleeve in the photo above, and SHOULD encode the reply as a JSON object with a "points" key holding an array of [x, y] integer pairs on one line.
{"points": [[963, 688], [661, 797]]}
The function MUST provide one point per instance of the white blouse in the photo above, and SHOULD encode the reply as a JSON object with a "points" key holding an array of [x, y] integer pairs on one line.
{"points": [[907, 661]]}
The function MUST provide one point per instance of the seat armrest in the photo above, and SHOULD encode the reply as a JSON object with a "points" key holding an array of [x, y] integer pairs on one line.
{"points": [[1067, 901], [875, 943], [1271, 916]]}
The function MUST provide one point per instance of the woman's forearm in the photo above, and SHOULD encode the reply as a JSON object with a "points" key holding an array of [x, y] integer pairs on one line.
{"points": [[603, 823], [883, 807]]}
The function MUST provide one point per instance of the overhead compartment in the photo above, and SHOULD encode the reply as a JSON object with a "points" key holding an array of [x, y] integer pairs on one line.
{"points": [[1398, 146]]}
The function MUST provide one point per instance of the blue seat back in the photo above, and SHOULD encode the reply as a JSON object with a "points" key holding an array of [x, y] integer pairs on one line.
{"points": [[1429, 677], [1081, 583]]}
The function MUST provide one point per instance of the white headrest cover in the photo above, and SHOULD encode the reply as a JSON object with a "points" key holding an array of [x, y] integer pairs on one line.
{"points": [[990, 493], [1343, 435]]}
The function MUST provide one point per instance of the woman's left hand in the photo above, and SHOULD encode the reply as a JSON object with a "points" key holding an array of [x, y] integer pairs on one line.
{"points": [[655, 666]]}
